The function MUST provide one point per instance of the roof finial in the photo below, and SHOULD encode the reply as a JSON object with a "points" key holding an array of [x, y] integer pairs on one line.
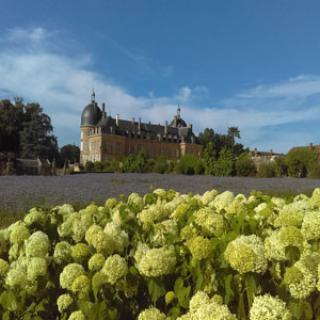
{"points": [[93, 96], [178, 111]]}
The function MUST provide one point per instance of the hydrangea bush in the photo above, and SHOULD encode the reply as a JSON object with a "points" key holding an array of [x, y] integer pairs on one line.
{"points": [[165, 256]]}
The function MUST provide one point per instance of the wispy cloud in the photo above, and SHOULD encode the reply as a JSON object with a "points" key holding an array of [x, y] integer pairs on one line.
{"points": [[266, 114]]}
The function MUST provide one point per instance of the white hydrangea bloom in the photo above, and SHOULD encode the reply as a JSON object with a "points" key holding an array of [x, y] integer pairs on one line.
{"points": [[18, 232], [164, 231], [69, 274], [64, 302], [300, 280], [96, 262], [62, 252], [115, 268], [278, 202], [37, 267], [222, 200], [155, 262], [211, 223], [200, 247], [77, 315], [267, 307], [37, 245], [209, 196], [151, 314], [311, 225], [204, 308], [246, 254], [135, 201], [37, 216], [155, 213], [79, 252], [119, 236]]}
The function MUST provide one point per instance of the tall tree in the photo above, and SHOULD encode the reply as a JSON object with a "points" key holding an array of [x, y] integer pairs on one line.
{"points": [[70, 152], [233, 133], [26, 130]]}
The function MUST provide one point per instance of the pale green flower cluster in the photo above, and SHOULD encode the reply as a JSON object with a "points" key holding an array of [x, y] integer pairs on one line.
{"points": [[80, 252], [62, 252], [119, 236], [37, 267], [77, 315], [18, 233], [96, 262], [152, 214], [204, 308], [152, 314], [135, 202], [267, 307], [37, 245], [64, 302], [115, 268], [212, 224], [222, 200], [164, 232], [209, 196], [301, 280], [246, 254], [200, 247], [69, 274], [36, 216], [276, 244], [155, 262], [311, 225]]}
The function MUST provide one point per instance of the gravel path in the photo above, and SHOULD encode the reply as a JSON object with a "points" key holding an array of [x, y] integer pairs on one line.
{"points": [[22, 192]]}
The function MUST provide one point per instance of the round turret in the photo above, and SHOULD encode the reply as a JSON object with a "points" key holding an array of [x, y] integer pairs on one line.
{"points": [[91, 114]]}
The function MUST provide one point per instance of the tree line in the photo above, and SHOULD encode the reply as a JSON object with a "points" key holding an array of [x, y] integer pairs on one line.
{"points": [[27, 131]]}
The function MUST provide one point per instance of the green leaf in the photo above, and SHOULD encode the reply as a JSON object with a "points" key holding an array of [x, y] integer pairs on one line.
{"points": [[241, 308], [182, 293], [251, 288], [156, 290], [229, 294]]}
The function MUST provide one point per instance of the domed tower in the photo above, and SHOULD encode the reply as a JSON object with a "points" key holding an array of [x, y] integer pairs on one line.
{"points": [[90, 116]]}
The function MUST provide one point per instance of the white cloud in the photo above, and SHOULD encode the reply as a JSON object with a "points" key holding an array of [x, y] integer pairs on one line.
{"points": [[62, 84]]}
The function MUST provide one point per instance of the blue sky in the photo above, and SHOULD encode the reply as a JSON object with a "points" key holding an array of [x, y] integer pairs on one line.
{"points": [[247, 63]]}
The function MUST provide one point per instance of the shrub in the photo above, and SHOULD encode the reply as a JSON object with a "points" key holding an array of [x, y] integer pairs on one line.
{"points": [[189, 164], [281, 166], [245, 166], [266, 170], [135, 163], [89, 166], [300, 161], [98, 166], [314, 171], [160, 165]]}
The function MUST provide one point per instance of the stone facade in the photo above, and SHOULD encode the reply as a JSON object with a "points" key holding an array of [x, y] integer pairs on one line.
{"points": [[104, 138]]}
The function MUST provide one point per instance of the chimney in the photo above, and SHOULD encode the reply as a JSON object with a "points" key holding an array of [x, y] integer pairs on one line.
{"points": [[117, 119], [139, 125], [190, 126], [166, 128], [103, 107]]}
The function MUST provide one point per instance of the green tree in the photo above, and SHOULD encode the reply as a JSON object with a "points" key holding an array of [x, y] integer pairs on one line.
{"points": [[224, 166], [300, 161], [70, 152], [245, 166], [11, 117], [189, 164], [281, 166], [36, 138], [233, 133], [135, 163], [209, 156], [206, 136]]}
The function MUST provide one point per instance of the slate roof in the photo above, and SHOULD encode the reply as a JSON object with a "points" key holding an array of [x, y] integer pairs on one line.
{"points": [[177, 130]]}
